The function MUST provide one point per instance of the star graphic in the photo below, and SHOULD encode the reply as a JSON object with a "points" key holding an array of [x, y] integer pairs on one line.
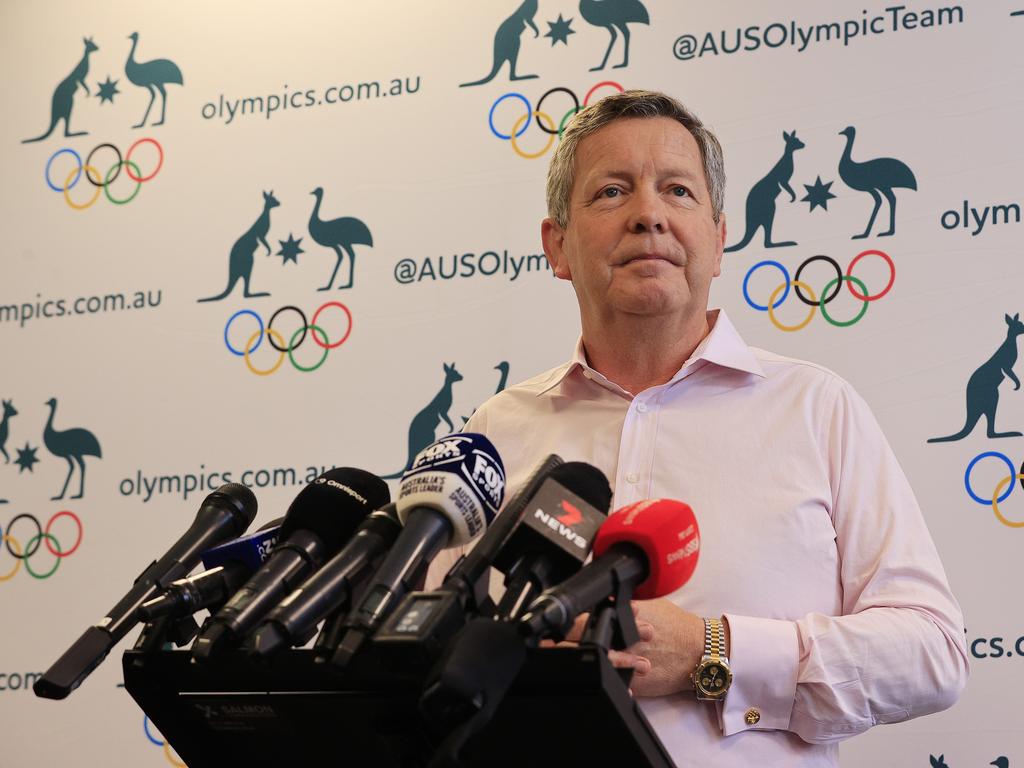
{"points": [[817, 194], [560, 31], [108, 90], [26, 458], [290, 249]]}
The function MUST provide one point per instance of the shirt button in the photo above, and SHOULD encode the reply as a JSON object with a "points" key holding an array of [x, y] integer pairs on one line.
{"points": [[641, 407], [632, 477], [753, 717]]}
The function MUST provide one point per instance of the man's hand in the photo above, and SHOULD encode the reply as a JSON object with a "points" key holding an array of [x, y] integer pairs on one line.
{"points": [[671, 644]]}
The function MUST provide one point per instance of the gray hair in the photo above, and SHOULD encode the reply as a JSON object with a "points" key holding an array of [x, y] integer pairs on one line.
{"points": [[633, 103]]}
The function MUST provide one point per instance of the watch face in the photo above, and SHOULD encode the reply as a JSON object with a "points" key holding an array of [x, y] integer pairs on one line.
{"points": [[712, 679]]}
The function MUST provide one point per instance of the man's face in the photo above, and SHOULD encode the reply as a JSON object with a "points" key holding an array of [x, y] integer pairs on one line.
{"points": [[641, 238]]}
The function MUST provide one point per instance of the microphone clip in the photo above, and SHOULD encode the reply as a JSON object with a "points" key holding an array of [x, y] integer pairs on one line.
{"points": [[612, 625]]}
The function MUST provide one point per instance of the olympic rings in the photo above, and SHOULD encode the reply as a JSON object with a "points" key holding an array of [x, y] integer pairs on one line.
{"points": [[291, 345], [67, 197], [771, 304], [551, 136], [128, 164], [103, 181], [830, 292], [159, 163], [819, 257], [836, 281], [348, 314], [161, 743], [888, 286], [42, 535], [494, 106], [995, 500], [1007, 483], [46, 173], [56, 563], [305, 326], [280, 359], [88, 161], [227, 325], [542, 119], [298, 337], [540, 104], [752, 270]]}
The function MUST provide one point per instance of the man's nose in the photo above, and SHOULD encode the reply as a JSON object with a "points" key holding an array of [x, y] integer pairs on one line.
{"points": [[647, 215]]}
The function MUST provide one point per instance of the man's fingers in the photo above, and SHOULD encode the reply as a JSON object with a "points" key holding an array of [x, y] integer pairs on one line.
{"points": [[646, 631], [576, 633], [626, 660]]}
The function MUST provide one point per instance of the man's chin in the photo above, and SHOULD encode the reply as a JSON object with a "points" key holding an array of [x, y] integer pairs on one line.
{"points": [[652, 299]]}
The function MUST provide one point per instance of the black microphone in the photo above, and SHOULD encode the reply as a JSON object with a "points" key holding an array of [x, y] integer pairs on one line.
{"points": [[323, 516], [447, 498], [224, 514], [554, 537], [422, 625], [330, 588], [228, 567], [469, 577], [470, 680]]}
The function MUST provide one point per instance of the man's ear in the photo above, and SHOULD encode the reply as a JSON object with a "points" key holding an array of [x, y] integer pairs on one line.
{"points": [[721, 244], [553, 238]]}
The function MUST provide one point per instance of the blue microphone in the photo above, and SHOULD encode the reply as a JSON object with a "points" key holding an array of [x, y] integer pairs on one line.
{"points": [[449, 495], [228, 567]]}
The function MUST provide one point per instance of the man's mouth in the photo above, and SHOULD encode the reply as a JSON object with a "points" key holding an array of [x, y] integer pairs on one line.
{"points": [[649, 257]]}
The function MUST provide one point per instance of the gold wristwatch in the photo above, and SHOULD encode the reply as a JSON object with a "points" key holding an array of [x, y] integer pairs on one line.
{"points": [[712, 677]]}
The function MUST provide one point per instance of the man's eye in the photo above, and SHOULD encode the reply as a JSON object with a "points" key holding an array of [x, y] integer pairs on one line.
{"points": [[610, 192], [680, 191]]}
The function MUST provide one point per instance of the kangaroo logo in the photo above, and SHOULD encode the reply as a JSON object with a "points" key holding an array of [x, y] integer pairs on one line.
{"points": [[243, 251], [153, 76], [983, 386], [940, 762], [70, 444], [64, 95], [424, 423], [506, 42], [338, 234], [5, 427], [878, 177], [612, 15], [761, 198]]}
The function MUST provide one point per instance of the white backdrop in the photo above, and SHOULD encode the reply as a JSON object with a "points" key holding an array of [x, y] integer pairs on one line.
{"points": [[442, 216]]}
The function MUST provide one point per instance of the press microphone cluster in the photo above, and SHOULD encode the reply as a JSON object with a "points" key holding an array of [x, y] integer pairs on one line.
{"points": [[349, 561]]}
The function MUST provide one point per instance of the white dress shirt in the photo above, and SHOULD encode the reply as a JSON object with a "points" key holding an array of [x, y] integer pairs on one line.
{"points": [[812, 543]]}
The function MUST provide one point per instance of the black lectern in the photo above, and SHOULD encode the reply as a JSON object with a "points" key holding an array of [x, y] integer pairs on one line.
{"points": [[567, 707]]}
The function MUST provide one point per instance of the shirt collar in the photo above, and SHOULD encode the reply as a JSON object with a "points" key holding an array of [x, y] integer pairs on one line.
{"points": [[722, 346]]}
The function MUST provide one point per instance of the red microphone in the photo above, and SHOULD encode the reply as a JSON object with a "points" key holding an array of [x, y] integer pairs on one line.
{"points": [[648, 549]]}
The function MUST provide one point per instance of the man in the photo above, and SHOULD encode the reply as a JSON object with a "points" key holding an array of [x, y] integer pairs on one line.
{"points": [[818, 583]]}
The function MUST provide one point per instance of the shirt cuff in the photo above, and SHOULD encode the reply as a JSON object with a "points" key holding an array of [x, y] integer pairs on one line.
{"points": [[765, 657]]}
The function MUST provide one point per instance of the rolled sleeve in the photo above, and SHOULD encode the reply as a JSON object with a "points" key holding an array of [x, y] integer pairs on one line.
{"points": [[765, 657]]}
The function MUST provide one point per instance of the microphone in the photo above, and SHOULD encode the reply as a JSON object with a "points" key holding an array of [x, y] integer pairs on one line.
{"points": [[330, 588], [643, 551], [323, 516], [448, 497], [555, 536], [228, 567], [467, 577], [224, 514], [540, 549]]}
